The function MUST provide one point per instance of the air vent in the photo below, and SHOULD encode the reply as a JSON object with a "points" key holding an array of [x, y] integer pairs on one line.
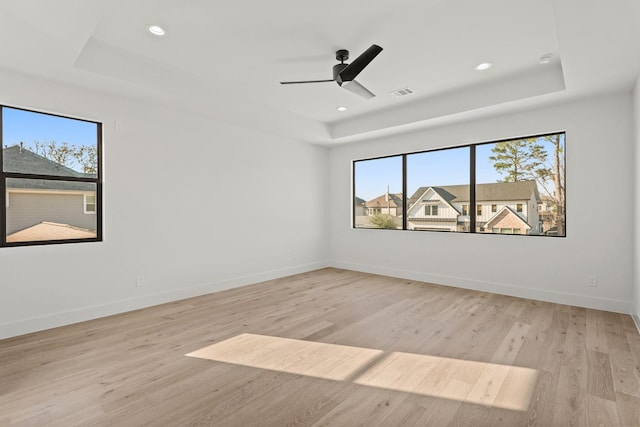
{"points": [[402, 92]]}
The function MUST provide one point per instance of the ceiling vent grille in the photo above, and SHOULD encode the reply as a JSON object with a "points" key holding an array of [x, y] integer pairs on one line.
{"points": [[402, 92]]}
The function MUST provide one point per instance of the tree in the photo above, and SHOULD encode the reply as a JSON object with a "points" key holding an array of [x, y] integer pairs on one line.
{"points": [[60, 153], [558, 181], [383, 221], [519, 160], [87, 157], [71, 156]]}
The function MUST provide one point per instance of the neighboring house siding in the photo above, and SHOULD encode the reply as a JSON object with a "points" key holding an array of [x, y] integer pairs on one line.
{"points": [[28, 209]]}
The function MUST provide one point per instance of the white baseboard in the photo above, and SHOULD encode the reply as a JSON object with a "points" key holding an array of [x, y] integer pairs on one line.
{"points": [[617, 306], [53, 320]]}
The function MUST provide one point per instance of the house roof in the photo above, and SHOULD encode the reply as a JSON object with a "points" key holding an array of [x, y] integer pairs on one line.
{"points": [[19, 159], [504, 212], [359, 201], [395, 201], [498, 191]]}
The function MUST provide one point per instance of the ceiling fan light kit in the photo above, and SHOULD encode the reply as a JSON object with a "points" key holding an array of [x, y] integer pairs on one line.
{"points": [[345, 74]]}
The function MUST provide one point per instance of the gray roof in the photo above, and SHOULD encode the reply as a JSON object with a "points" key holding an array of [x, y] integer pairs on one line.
{"points": [[19, 159], [498, 191]]}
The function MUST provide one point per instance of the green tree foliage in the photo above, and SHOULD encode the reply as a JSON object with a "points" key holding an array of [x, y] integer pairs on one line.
{"points": [[520, 160], [72, 156], [383, 221]]}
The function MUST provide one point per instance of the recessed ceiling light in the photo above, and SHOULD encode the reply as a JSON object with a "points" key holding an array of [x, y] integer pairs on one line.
{"points": [[484, 66], [341, 108], [545, 59], [156, 30]]}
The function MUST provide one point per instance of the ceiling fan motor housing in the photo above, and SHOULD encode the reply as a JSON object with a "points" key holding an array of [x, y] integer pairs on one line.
{"points": [[337, 69]]}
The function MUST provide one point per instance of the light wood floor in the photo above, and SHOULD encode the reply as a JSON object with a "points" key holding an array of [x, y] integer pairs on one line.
{"points": [[330, 348]]}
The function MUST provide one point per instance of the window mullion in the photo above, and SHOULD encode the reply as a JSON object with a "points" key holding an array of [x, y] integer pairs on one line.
{"points": [[404, 192], [472, 189]]}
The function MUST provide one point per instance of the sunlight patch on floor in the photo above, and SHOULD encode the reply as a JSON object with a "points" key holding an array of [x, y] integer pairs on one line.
{"points": [[489, 384]]}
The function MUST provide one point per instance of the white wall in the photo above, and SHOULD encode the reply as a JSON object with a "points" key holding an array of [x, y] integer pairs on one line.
{"points": [[176, 192], [197, 206], [636, 193], [600, 168]]}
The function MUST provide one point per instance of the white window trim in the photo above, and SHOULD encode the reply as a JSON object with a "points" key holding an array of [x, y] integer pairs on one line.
{"points": [[84, 204]]}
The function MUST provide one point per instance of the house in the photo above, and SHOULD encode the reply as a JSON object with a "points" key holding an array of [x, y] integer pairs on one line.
{"points": [[503, 207], [386, 204], [359, 206], [40, 203], [547, 213]]}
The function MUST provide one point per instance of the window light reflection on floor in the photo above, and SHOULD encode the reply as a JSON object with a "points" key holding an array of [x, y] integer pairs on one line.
{"points": [[489, 384]]}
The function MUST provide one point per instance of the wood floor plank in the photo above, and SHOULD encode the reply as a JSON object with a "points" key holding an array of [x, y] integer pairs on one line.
{"points": [[600, 382], [601, 412], [628, 408], [331, 347], [626, 378]]}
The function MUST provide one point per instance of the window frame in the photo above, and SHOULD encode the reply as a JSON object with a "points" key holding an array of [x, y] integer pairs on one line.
{"points": [[473, 204], [5, 176], [430, 210]]}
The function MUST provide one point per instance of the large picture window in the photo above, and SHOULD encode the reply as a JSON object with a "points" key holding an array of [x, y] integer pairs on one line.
{"points": [[513, 186], [50, 178]]}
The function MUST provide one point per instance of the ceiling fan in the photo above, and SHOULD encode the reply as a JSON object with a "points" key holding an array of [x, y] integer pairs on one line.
{"points": [[345, 74]]}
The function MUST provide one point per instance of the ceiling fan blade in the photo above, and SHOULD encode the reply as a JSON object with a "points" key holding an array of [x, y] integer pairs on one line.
{"points": [[306, 81], [358, 89], [358, 64]]}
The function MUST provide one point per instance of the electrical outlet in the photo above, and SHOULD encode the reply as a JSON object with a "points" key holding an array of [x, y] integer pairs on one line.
{"points": [[593, 281], [140, 280]]}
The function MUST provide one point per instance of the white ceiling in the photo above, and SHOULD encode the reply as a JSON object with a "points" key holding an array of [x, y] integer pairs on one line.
{"points": [[225, 59]]}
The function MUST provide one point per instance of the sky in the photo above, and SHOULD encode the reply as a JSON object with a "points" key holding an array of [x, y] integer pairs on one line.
{"points": [[437, 168], [27, 126]]}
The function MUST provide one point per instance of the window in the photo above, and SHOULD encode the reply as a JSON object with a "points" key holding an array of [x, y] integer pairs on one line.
{"points": [[90, 203], [51, 172], [439, 188], [431, 210], [431, 181], [379, 183]]}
